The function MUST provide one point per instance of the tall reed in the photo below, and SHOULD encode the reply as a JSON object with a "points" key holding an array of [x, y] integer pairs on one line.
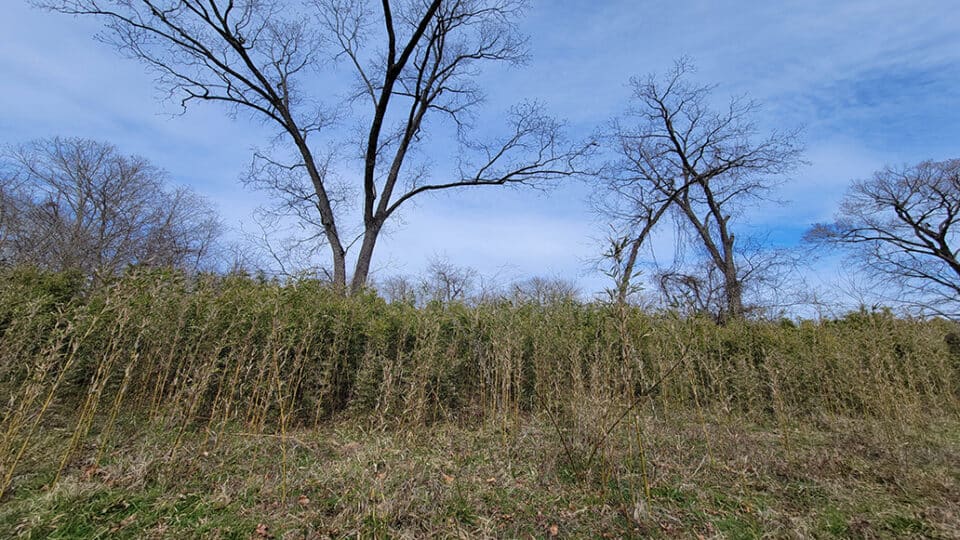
{"points": [[206, 352]]}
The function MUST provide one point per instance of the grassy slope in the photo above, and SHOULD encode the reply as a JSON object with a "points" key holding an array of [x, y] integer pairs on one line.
{"points": [[735, 479]]}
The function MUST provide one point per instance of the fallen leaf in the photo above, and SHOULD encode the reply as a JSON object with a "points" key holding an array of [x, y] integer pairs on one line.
{"points": [[554, 530], [263, 531], [303, 500], [447, 478], [89, 471]]}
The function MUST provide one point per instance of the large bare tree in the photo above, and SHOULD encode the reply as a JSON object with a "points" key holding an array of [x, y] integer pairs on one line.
{"points": [[681, 157], [414, 63], [903, 225], [80, 204]]}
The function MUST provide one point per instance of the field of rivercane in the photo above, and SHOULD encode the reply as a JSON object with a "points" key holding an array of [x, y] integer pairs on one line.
{"points": [[166, 406]]}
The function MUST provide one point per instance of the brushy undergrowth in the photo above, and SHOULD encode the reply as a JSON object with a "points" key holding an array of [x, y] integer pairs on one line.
{"points": [[705, 477], [206, 359]]}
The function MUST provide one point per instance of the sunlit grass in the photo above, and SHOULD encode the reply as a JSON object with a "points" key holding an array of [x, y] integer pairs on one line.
{"points": [[168, 406]]}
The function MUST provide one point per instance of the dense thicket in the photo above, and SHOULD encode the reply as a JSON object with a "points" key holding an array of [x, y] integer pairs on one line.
{"points": [[211, 351]]}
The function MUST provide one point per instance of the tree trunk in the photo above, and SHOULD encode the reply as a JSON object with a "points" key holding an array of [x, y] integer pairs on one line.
{"points": [[623, 287], [339, 268], [732, 287], [733, 291], [365, 257]]}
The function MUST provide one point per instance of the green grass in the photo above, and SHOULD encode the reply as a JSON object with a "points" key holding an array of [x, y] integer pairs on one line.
{"points": [[346, 480]]}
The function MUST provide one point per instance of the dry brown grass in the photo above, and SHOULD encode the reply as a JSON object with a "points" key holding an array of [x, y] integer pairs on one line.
{"points": [[838, 478], [440, 419]]}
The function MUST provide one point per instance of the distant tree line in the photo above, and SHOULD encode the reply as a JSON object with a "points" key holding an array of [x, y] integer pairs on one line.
{"points": [[77, 204], [674, 158]]}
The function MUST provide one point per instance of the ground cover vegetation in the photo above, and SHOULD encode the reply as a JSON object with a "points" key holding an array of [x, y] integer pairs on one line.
{"points": [[143, 397], [167, 404]]}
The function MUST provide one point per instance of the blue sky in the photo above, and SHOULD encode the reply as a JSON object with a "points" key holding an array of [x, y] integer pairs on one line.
{"points": [[873, 82]]}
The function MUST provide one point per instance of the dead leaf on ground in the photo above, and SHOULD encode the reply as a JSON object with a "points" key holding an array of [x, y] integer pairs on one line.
{"points": [[263, 531], [89, 471]]}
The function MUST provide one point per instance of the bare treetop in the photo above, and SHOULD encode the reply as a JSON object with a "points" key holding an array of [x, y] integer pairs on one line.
{"points": [[672, 136], [678, 153], [246, 53], [415, 63], [904, 224]]}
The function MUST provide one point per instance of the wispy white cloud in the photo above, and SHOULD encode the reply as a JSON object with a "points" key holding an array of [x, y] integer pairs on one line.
{"points": [[494, 233], [873, 81], [59, 81]]}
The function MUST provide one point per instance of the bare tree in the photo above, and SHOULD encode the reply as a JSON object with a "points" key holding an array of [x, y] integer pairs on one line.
{"points": [[14, 201], [679, 156], [399, 290], [903, 225], [442, 282], [692, 293], [446, 282], [414, 62], [83, 205], [770, 280], [545, 291]]}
